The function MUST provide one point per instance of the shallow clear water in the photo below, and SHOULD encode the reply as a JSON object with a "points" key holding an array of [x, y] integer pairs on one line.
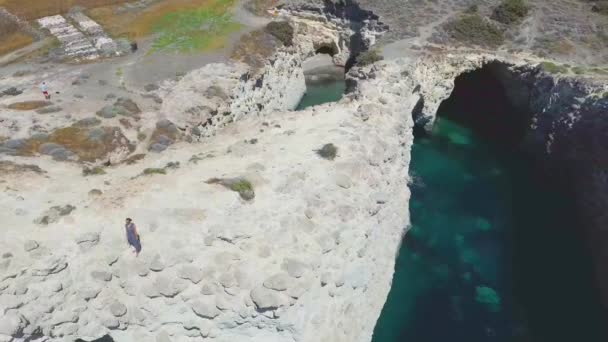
{"points": [[322, 93]]}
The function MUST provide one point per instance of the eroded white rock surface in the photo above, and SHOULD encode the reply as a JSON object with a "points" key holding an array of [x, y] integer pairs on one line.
{"points": [[212, 263]]}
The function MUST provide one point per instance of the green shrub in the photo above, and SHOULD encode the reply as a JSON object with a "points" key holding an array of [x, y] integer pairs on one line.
{"points": [[369, 57], [94, 171], [472, 9], [474, 29], [600, 7], [511, 11], [154, 171], [240, 185], [553, 68], [282, 31], [328, 151], [578, 70]]}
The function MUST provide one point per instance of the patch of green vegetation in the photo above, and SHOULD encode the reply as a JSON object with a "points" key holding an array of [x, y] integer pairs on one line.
{"points": [[241, 185], [282, 31], [475, 29], [369, 57], [94, 171], [600, 71], [154, 171], [600, 7], [328, 151], [472, 9], [119, 72], [553, 68], [191, 30], [511, 11], [141, 136], [578, 70]]}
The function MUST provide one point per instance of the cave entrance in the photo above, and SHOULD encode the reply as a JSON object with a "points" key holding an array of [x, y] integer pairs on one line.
{"points": [[492, 102], [495, 245], [324, 79], [327, 50]]}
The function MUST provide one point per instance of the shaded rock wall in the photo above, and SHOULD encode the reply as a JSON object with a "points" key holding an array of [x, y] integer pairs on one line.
{"points": [[567, 129]]}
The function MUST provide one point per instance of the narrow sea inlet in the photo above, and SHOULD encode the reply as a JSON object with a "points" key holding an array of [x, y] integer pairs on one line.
{"points": [[492, 253]]}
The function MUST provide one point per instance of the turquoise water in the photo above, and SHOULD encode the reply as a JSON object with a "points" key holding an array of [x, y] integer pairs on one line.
{"points": [[491, 254], [322, 93]]}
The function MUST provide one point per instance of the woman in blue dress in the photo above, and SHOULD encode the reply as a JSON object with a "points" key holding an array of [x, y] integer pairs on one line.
{"points": [[133, 236]]}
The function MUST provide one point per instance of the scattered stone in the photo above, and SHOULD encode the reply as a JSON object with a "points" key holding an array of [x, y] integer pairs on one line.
{"points": [[157, 264], [87, 122], [11, 324], [192, 273], [266, 299], [30, 245], [15, 144], [12, 91], [48, 148], [88, 240], [277, 282], [54, 213], [227, 280], [101, 275], [48, 266], [88, 293], [343, 181], [151, 87], [158, 147], [294, 267], [49, 109], [163, 336], [205, 309], [209, 289], [95, 192], [170, 288], [118, 309]]}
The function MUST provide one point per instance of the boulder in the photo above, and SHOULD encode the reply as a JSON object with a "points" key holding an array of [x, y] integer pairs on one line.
{"points": [[101, 275], [118, 309], [294, 268], [277, 282], [192, 273], [11, 324], [30, 245], [87, 240], [205, 309], [266, 299]]}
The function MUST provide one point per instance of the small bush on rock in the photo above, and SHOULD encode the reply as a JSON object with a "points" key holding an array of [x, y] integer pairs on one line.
{"points": [[154, 171], [553, 68], [94, 171], [281, 30], [328, 151], [369, 57], [474, 29], [240, 185], [511, 11]]}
